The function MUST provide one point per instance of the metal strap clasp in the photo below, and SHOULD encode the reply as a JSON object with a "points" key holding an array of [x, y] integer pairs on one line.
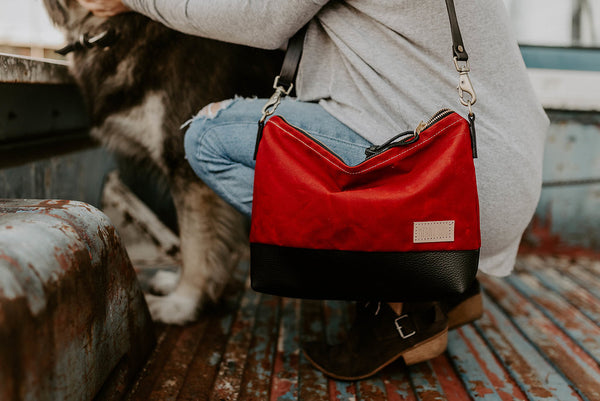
{"points": [[465, 85], [275, 99]]}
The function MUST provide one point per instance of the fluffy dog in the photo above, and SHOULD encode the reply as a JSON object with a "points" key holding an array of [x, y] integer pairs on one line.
{"points": [[141, 81]]}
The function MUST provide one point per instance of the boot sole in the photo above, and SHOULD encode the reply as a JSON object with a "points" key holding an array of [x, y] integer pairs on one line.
{"points": [[468, 311], [424, 351]]}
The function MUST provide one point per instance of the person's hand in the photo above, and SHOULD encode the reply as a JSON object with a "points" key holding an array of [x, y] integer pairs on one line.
{"points": [[105, 8]]}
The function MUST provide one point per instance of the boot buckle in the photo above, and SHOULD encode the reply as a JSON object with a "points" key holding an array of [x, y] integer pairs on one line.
{"points": [[400, 328]]}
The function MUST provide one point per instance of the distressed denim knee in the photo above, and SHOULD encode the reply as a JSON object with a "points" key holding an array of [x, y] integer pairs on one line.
{"points": [[218, 146], [219, 143]]}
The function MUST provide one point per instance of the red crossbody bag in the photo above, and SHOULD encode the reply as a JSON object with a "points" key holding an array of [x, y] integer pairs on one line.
{"points": [[401, 226]]}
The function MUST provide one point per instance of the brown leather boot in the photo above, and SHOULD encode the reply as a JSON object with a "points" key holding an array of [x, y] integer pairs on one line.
{"points": [[465, 308], [379, 337]]}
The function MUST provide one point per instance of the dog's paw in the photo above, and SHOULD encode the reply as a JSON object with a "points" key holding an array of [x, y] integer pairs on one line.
{"points": [[174, 308], [164, 282]]}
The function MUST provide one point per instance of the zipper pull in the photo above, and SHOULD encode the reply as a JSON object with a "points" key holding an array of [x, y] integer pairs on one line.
{"points": [[259, 134], [472, 132], [407, 137], [422, 125], [403, 139]]}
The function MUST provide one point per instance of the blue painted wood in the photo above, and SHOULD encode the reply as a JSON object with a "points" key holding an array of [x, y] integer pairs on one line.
{"points": [[228, 382], [461, 350], [262, 350], [547, 338], [343, 391], [593, 266], [398, 383], [561, 58], [514, 352], [568, 289], [496, 373], [536, 377], [371, 389], [285, 380], [185, 343], [572, 322], [425, 383], [204, 342], [584, 279]]}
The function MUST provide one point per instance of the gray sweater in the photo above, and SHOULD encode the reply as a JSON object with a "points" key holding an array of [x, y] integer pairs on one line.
{"points": [[381, 66]]}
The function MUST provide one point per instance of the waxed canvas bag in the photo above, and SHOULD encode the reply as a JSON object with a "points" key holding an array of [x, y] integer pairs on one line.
{"points": [[403, 225]]}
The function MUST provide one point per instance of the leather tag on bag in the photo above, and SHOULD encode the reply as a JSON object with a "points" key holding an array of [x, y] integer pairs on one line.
{"points": [[433, 231]]}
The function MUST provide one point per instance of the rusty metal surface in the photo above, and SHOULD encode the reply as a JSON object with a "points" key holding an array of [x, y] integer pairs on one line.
{"points": [[25, 69], [42, 111], [568, 214], [76, 176], [73, 323], [538, 340]]}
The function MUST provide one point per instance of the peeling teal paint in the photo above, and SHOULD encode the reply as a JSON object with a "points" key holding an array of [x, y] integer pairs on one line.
{"points": [[569, 206], [71, 305]]}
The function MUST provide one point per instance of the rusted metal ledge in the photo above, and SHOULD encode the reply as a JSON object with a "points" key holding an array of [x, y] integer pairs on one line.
{"points": [[42, 111], [18, 69], [73, 321]]}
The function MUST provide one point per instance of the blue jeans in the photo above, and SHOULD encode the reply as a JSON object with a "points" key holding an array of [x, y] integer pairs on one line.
{"points": [[220, 148]]}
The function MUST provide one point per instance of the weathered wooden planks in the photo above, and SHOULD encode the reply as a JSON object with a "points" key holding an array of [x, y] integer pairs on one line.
{"points": [[538, 340]]}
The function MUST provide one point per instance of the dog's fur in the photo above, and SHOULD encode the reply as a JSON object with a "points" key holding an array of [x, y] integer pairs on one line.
{"points": [[139, 91]]}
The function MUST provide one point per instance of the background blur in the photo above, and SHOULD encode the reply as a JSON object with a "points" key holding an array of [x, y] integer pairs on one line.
{"points": [[26, 30]]}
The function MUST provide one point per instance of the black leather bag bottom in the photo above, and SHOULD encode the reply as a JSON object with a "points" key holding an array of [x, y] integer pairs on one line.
{"points": [[356, 276]]}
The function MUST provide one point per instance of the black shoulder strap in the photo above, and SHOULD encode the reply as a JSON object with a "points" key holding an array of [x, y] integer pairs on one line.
{"points": [[458, 48], [292, 58], [284, 81], [294, 50]]}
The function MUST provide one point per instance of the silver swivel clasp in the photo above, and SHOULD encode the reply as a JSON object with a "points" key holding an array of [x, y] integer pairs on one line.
{"points": [[275, 99], [464, 85]]}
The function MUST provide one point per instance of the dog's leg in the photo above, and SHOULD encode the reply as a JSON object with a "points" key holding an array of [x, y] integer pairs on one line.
{"points": [[212, 242], [164, 282]]}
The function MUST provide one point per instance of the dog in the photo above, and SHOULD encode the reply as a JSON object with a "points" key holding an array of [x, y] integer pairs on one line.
{"points": [[141, 81]]}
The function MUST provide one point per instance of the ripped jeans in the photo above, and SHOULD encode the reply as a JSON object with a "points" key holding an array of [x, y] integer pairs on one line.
{"points": [[219, 143]]}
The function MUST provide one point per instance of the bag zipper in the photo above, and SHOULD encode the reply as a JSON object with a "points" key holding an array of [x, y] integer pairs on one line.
{"points": [[407, 137], [403, 139], [313, 139], [442, 113]]}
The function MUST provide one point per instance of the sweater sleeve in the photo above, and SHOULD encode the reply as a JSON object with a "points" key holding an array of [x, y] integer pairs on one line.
{"points": [[265, 24]]}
